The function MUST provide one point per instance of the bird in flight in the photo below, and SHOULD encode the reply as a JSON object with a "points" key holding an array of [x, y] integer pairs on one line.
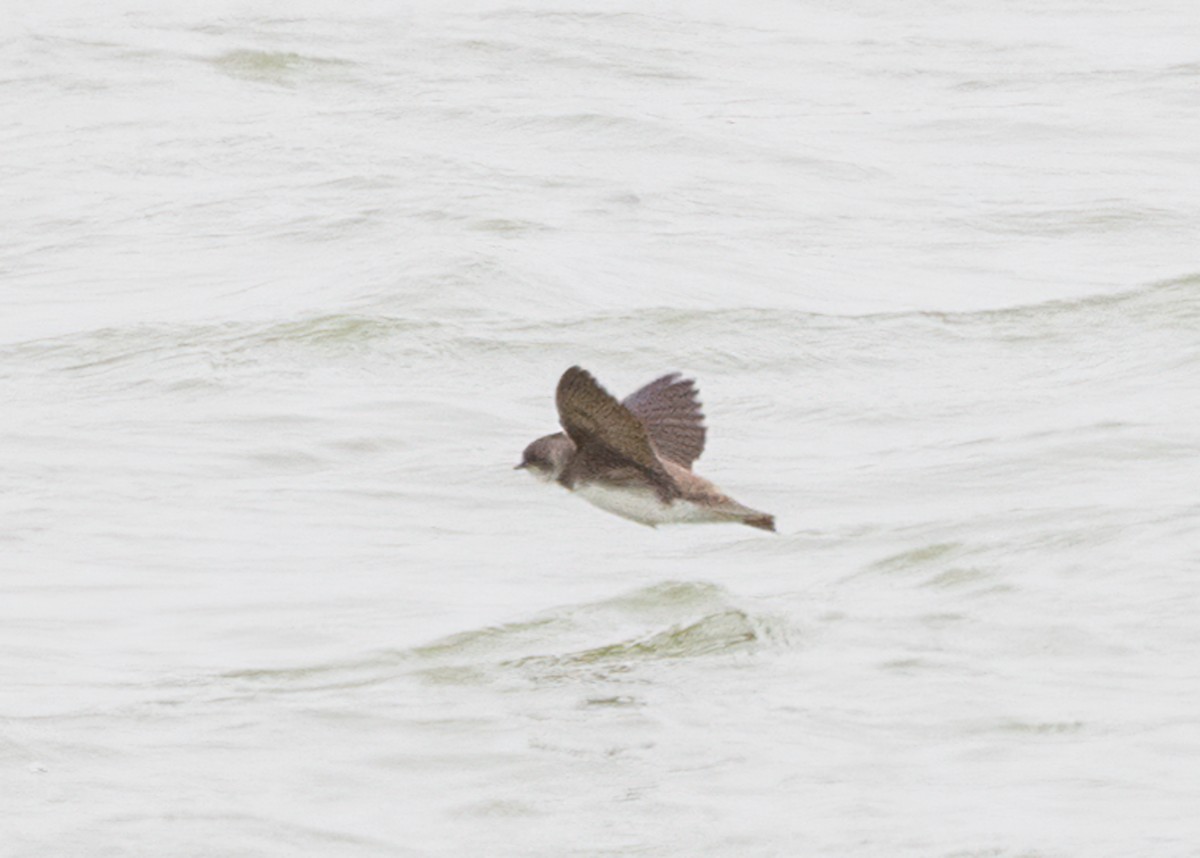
{"points": [[634, 457]]}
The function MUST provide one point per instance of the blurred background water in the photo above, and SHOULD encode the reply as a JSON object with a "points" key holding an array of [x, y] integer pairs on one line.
{"points": [[285, 291]]}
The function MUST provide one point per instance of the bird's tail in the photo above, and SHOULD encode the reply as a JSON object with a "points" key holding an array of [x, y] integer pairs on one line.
{"points": [[761, 520], [735, 511]]}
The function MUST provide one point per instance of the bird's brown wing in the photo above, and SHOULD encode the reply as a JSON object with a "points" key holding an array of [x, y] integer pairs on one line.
{"points": [[669, 409], [606, 433]]}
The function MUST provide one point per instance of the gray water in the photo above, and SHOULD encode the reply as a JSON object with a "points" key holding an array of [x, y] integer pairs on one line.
{"points": [[286, 290]]}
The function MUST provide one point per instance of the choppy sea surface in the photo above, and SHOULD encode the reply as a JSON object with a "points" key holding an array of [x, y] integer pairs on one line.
{"points": [[285, 290]]}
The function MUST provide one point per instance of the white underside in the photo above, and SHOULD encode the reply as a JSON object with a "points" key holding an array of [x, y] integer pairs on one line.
{"points": [[645, 507]]}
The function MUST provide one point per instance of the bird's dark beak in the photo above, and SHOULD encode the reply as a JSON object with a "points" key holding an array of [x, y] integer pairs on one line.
{"points": [[520, 466]]}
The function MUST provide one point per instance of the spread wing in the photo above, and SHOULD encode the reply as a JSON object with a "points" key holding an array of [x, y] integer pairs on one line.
{"points": [[670, 411], [606, 433]]}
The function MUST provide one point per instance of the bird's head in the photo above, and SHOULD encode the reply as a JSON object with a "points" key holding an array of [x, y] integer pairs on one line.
{"points": [[546, 457]]}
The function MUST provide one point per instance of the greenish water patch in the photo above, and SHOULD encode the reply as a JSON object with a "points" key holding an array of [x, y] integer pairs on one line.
{"points": [[671, 620], [1042, 728], [719, 633], [278, 67], [917, 557], [956, 577], [666, 621], [480, 642]]}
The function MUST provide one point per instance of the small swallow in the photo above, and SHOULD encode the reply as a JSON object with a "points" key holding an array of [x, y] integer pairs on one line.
{"points": [[634, 458]]}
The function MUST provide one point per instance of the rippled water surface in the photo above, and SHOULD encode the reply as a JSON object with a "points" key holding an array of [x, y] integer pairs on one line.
{"points": [[286, 292]]}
